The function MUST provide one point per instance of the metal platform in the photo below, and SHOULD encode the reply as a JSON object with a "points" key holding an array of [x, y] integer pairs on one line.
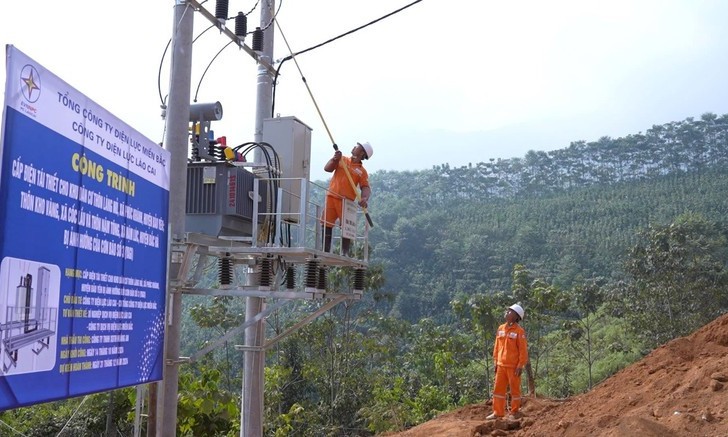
{"points": [[19, 341], [241, 248], [19, 334]]}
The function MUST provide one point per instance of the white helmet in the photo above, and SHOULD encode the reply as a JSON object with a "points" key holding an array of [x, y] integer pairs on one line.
{"points": [[367, 148], [518, 309]]}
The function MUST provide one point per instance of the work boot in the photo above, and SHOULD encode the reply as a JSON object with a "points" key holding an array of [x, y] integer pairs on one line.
{"points": [[493, 416], [515, 415]]}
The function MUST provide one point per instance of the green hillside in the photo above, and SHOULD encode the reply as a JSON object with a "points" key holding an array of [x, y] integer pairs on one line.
{"points": [[568, 215]]}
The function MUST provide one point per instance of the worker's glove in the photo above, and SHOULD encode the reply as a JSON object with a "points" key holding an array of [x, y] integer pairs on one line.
{"points": [[337, 156]]}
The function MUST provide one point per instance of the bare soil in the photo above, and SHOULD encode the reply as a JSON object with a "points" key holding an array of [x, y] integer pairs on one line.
{"points": [[680, 389]]}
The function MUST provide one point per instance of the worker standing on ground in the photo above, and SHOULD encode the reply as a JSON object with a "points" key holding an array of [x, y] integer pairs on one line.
{"points": [[510, 356], [341, 188]]}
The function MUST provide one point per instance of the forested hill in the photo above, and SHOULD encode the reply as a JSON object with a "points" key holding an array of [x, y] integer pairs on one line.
{"points": [[569, 214]]}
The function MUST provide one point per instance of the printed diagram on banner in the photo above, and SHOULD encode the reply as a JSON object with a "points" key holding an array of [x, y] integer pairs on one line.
{"points": [[28, 315]]}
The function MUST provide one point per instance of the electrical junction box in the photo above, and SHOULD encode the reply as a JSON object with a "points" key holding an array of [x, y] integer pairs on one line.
{"points": [[291, 139], [220, 199]]}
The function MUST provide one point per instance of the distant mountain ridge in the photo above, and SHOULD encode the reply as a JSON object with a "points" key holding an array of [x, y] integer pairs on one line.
{"points": [[682, 146], [568, 214]]}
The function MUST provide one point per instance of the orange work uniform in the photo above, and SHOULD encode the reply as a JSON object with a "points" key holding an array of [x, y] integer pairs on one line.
{"points": [[340, 187], [509, 353]]}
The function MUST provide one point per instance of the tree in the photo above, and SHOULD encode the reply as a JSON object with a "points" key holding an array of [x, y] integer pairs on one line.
{"points": [[542, 302], [585, 302], [86, 415], [678, 278], [484, 313], [204, 406]]}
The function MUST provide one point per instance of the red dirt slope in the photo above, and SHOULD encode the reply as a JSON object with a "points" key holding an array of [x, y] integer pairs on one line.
{"points": [[680, 389]]}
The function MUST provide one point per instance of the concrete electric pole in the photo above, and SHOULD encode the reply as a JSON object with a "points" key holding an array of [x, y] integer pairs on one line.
{"points": [[251, 413], [176, 140]]}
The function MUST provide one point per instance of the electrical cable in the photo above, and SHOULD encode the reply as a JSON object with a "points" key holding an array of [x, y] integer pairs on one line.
{"points": [[159, 81], [164, 54], [202, 33], [161, 61], [163, 99], [274, 176], [13, 429], [207, 68], [275, 14], [218, 53], [353, 30], [292, 55], [72, 415], [159, 74], [254, 6], [273, 170]]}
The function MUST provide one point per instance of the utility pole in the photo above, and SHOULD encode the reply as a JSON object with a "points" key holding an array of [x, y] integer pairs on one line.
{"points": [[178, 116], [251, 413], [177, 119], [264, 98]]}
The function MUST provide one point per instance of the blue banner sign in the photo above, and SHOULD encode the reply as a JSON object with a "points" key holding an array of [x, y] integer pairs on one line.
{"points": [[83, 243]]}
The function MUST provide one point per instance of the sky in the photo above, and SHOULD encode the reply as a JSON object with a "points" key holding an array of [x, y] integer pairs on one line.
{"points": [[440, 82]]}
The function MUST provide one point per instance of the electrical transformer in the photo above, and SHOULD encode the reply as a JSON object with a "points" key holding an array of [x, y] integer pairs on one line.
{"points": [[220, 199]]}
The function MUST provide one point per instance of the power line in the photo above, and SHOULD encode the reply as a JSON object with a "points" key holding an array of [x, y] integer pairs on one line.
{"points": [[351, 31], [292, 55]]}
